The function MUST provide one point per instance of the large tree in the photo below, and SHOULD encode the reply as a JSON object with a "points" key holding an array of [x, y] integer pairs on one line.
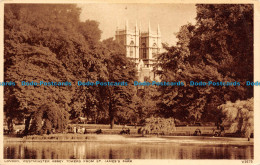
{"points": [[48, 43], [218, 48], [118, 99], [35, 64]]}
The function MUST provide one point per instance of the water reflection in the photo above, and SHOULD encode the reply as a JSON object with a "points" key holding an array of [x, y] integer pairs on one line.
{"points": [[104, 150]]}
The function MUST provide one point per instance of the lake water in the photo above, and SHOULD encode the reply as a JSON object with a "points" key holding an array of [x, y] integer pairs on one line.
{"points": [[107, 150]]}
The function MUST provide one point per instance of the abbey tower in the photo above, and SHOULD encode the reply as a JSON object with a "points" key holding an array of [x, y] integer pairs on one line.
{"points": [[141, 47]]}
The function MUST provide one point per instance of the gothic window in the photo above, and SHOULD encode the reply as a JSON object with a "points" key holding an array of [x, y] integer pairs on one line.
{"points": [[131, 49], [154, 50], [144, 51]]}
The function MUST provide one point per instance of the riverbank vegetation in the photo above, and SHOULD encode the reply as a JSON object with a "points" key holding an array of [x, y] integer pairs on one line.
{"points": [[48, 42], [132, 138]]}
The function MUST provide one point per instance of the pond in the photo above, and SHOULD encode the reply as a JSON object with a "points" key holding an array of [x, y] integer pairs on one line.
{"points": [[123, 150]]}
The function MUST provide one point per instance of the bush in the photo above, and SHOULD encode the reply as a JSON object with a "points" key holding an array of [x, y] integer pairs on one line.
{"points": [[239, 116], [159, 125], [49, 117]]}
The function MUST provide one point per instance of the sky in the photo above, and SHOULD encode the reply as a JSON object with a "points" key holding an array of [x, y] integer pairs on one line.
{"points": [[170, 17]]}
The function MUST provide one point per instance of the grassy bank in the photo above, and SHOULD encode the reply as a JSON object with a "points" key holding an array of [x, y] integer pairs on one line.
{"points": [[66, 137], [131, 138]]}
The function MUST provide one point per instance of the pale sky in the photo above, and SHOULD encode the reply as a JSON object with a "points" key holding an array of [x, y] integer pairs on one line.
{"points": [[170, 17]]}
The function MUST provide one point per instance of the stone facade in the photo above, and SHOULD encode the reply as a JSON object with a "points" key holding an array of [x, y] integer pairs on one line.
{"points": [[142, 48]]}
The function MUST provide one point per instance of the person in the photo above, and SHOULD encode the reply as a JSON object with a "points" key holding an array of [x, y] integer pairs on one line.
{"points": [[213, 130], [197, 132], [99, 131], [249, 134], [222, 133], [69, 128], [221, 128], [53, 130]]}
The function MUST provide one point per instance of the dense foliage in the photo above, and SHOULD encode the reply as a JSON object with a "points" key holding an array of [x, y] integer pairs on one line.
{"points": [[239, 116], [157, 125], [219, 48], [49, 43]]}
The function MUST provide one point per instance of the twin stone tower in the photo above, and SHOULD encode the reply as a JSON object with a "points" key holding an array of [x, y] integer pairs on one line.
{"points": [[142, 47]]}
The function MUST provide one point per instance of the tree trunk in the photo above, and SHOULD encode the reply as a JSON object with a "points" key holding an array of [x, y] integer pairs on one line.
{"points": [[27, 125], [111, 115], [112, 121], [10, 125]]}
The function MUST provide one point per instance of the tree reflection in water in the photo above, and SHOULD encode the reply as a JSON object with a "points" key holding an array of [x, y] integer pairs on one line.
{"points": [[103, 150]]}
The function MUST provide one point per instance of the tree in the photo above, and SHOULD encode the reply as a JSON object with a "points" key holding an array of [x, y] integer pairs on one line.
{"points": [[119, 99], [212, 50], [146, 102], [34, 64], [238, 116], [49, 117], [90, 31], [48, 43]]}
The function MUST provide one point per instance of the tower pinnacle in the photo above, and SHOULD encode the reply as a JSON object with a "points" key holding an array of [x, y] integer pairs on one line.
{"points": [[149, 27], [136, 27], [126, 24], [158, 30], [140, 27]]}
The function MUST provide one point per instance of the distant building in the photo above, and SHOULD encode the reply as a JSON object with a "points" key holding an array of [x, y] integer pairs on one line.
{"points": [[142, 48]]}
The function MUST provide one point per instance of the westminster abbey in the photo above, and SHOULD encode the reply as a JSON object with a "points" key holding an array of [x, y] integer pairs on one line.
{"points": [[142, 47]]}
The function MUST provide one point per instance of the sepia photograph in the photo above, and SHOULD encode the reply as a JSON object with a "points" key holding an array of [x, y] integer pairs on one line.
{"points": [[128, 81]]}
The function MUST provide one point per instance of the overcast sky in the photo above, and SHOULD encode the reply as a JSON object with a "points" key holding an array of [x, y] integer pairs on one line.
{"points": [[170, 17]]}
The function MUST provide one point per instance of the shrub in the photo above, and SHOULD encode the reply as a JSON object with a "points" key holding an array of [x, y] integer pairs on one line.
{"points": [[239, 116], [159, 125]]}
